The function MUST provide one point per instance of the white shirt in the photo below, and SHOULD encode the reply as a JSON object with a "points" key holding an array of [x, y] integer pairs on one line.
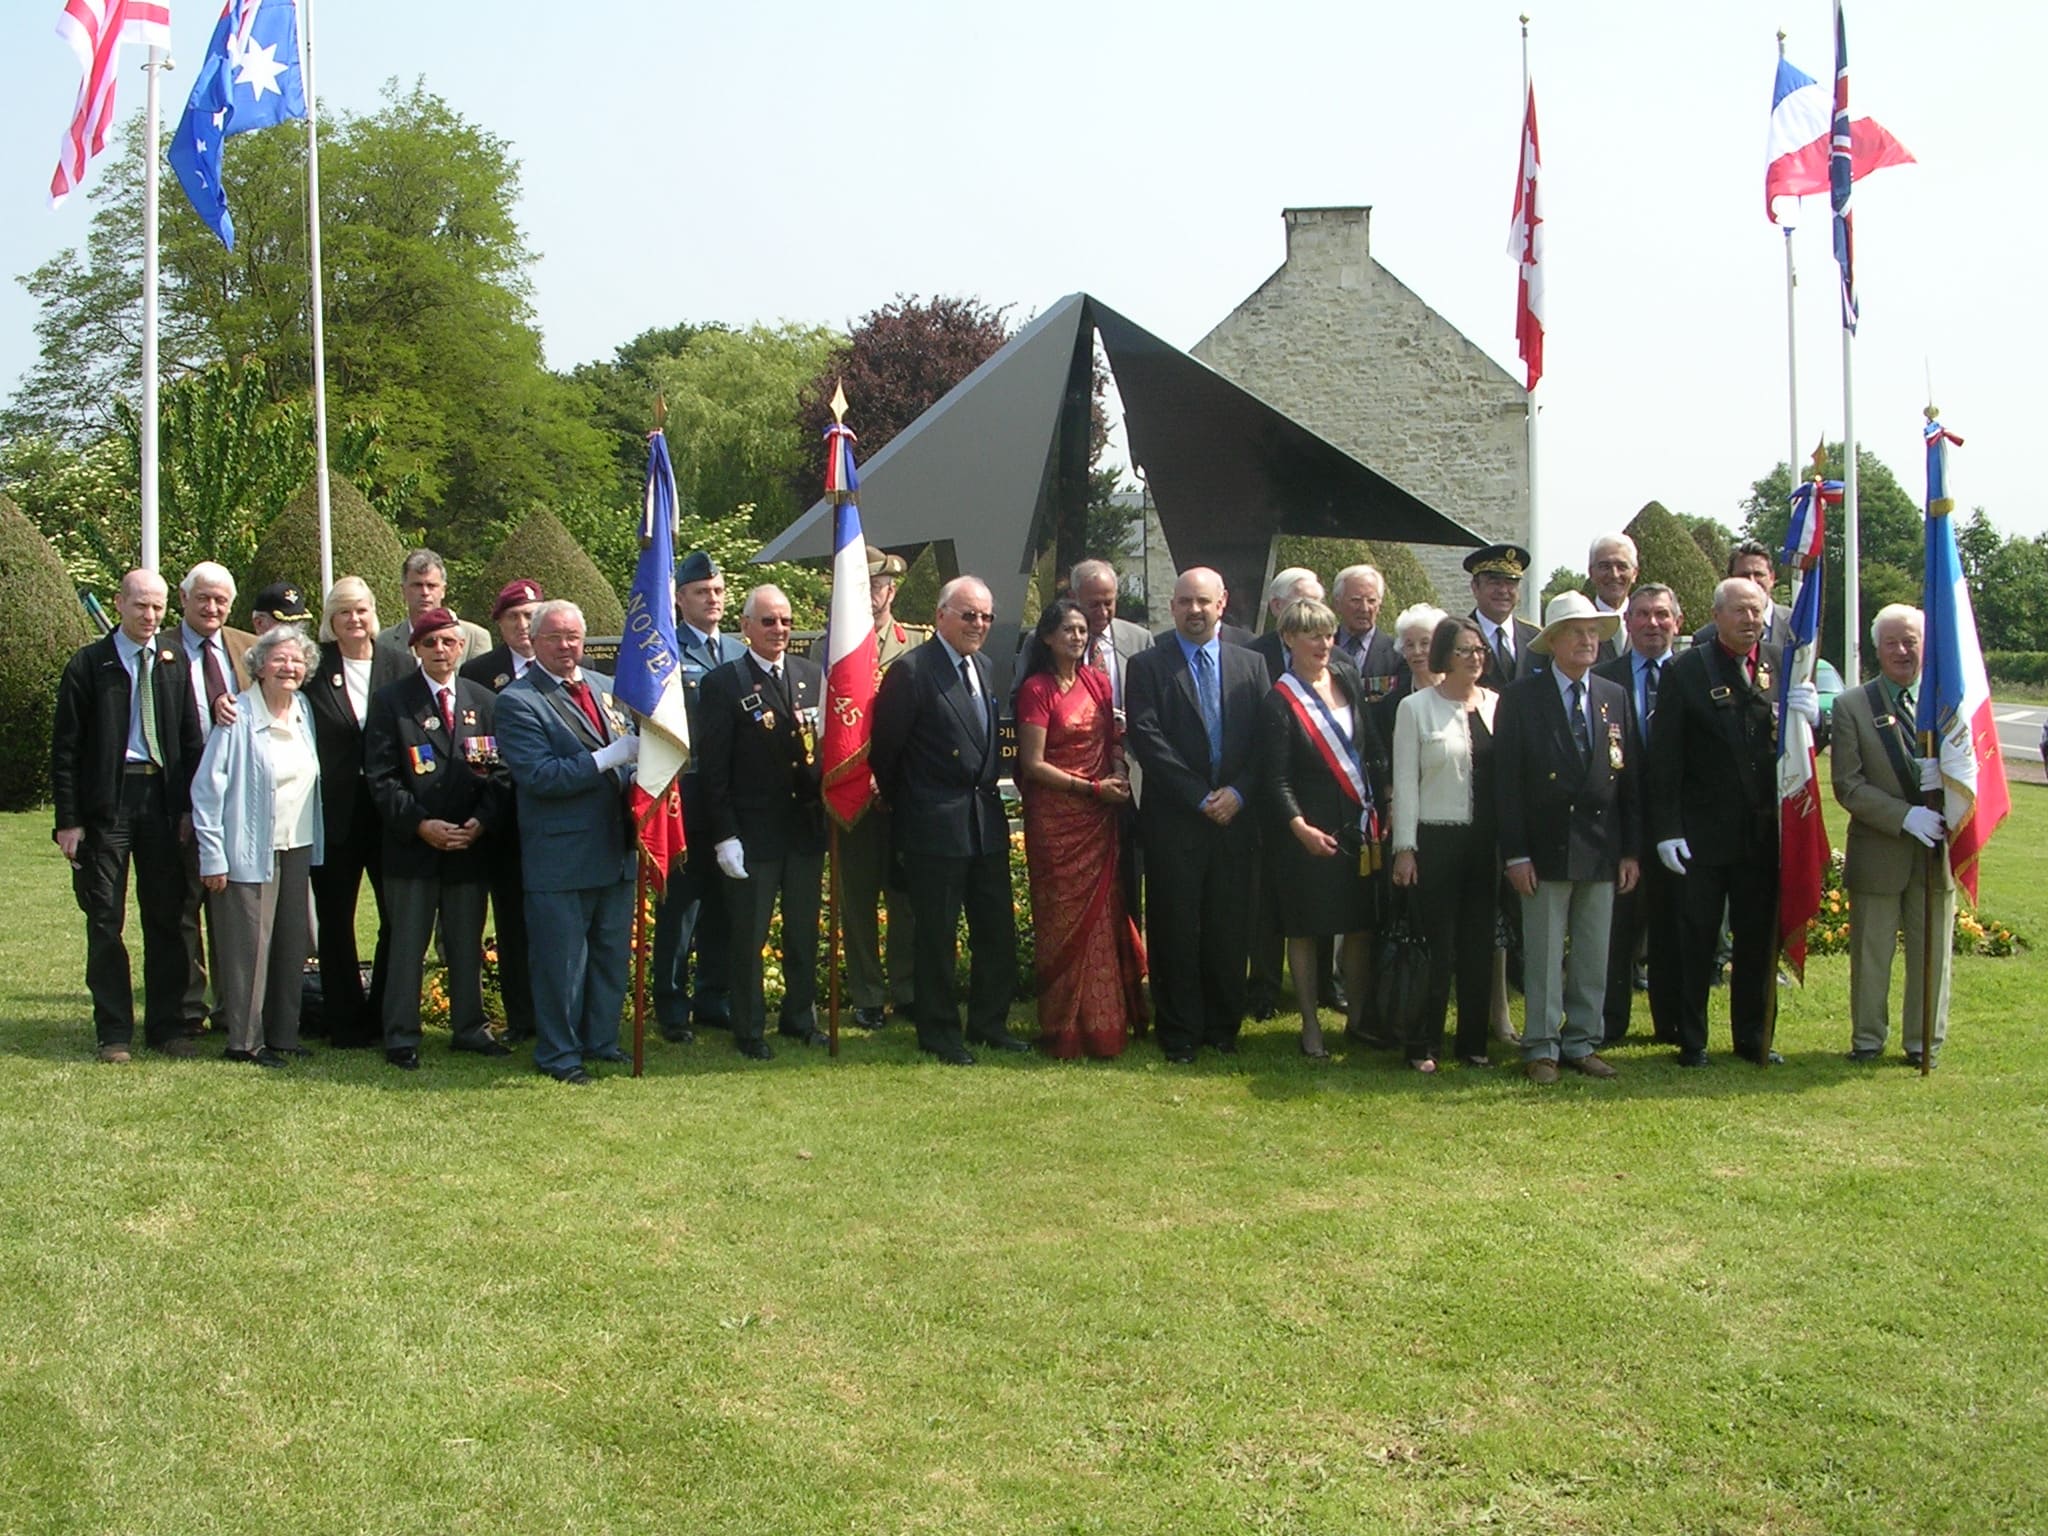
{"points": [[1498, 635], [294, 772], [356, 684], [973, 674]]}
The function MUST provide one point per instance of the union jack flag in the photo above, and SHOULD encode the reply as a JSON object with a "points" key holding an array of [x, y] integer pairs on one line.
{"points": [[1841, 173], [95, 31]]}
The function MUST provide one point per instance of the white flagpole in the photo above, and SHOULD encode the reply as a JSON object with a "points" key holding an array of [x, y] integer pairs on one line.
{"points": [[151, 552], [1532, 588], [1791, 341], [319, 309], [1852, 539]]}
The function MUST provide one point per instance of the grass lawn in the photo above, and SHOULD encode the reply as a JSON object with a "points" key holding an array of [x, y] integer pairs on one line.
{"points": [[881, 1296]]}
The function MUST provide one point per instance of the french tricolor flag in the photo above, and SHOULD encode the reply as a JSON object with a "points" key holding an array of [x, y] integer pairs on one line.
{"points": [[851, 649], [1802, 119]]}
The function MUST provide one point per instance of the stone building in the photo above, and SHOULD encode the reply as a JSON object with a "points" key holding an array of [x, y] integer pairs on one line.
{"points": [[1346, 348]]}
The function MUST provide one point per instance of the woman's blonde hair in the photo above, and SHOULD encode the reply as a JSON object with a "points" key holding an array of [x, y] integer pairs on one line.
{"points": [[345, 593]]}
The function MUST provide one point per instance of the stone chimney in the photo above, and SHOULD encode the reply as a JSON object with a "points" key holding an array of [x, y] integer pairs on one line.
{"points": [[1332, 243]]}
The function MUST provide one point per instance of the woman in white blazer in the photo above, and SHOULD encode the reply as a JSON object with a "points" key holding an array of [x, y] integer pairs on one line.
{"points": [[1444, 837], [256, 819]]}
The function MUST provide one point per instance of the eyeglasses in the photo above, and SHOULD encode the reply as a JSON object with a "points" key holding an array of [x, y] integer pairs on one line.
{"points": [[1469, 650], [775, 621], [970, 616]]}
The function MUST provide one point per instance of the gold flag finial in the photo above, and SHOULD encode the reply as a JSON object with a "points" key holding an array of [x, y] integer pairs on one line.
{"points": [[1820, 459], [839, 401], [661, 413], [1931, 413]]}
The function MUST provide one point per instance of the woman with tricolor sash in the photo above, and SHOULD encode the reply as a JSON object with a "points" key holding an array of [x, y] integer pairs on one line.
{"points": [[1324, 782]]}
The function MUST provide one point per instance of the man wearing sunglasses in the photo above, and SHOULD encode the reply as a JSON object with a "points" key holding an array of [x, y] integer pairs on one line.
{"points": [[936, 760]]}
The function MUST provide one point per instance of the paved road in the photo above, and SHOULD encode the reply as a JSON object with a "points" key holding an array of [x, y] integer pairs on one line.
{"points": [[2019, 730]]}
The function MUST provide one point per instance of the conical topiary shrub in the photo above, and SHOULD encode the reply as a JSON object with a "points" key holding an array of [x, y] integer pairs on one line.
{"points": [[1667, 553], [365, 545], [540, 548], [44, 625]]}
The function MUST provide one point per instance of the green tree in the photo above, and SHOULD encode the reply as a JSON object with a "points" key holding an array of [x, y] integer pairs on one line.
{"points": [[2011, 595], [1890, 535], [1714, 537], [1563, 579], [428, 325], [44, 625], [622, 392], [84, 503]]}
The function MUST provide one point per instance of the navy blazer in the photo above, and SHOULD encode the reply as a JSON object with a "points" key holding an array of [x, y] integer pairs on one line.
{"points": [[758, 772], [338, 738], [935, 762], [1163, 725], [1573, 816], [89, 734], [417, 773], [574, 831]]}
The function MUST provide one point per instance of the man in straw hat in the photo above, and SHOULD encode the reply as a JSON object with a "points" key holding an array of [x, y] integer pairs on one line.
{"points": [[1565, 780]]}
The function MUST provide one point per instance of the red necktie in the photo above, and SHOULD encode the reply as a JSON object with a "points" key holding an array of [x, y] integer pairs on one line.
{"points": [[216, 680], [448, 711], [579, 695]]}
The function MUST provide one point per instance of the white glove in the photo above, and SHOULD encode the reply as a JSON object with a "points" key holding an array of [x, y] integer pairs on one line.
{"points": [[624, 750], [732, 858], [1803, 699], [1926, 825], [1675, 853], [1930, 773]]}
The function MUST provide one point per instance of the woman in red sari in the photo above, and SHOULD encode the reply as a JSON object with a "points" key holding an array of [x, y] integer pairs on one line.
{"points": [[1091, 964]]}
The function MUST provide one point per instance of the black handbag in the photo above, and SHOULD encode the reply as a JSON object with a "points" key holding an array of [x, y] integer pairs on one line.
{"points": [[1400, 974]]}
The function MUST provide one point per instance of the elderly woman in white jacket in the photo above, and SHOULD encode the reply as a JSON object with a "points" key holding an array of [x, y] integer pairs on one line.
{"points": [[256, 819], [1444, 837]]}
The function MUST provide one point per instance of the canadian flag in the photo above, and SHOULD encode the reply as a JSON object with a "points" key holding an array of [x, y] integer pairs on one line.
{"points": [[1525, 244]]}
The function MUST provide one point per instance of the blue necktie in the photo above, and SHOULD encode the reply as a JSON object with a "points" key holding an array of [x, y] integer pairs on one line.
{"points": [[1211, 698], [1580, 734]]}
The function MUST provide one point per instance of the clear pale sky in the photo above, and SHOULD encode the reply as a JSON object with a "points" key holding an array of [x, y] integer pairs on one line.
{"points": [[808, 162]]}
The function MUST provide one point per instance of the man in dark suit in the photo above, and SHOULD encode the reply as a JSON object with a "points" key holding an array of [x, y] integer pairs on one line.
{"points": [[497, 669], [1497, 572], [1714, 813], [756, 736], [571, 753], [1565, 788], [123, 747], [442, 792], [1193, 722], [1356, 596], [1612, 567], [1647, 917], [692, 915], [936, 760]]}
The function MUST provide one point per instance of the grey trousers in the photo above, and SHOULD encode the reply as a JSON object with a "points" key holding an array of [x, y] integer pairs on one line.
{"points": [[1876, 921], [863, 878], [261, 937], [1564, 967]]}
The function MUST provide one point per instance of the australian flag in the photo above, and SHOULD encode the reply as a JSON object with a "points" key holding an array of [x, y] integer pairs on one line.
{"points": [[250, 79]]}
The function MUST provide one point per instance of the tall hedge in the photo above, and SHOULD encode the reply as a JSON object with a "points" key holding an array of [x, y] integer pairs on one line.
{"points": [[1667, 553], [365, 545], [539, 547], [43, 623]]}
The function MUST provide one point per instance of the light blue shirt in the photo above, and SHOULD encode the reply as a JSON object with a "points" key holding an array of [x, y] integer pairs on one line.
{"points": [[1564, 693], [1643, 664], [129, 651]]}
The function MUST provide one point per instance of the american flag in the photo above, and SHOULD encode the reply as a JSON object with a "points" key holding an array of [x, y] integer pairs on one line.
{"points": [[95, 31], [1525, 244], [1841, 173]]}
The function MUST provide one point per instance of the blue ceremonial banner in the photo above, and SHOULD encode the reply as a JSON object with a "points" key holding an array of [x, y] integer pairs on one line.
{"points": [[248, 80], [648, 679]]}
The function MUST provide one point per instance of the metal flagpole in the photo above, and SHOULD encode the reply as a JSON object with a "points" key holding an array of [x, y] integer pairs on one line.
{"points": [[320, 482], [151, 551], [1532, 591], [1791, 336], [1852, 581]]}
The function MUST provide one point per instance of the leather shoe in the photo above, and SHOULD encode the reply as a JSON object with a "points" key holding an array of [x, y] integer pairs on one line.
{"points": [[575, 1077], [263, 1058], [1181, 1058], [617, 1058], [1866, 1054], [304, 1053], [405, 1059], [1001, 1040], [1762, 1059], [869, 1018], [1224, 1047], [1590, 1066], [1541, 1070], [183, 1047], [486, 1046], [952, 1055], [1686, 1059], [810, 1034], [115, 1055], [677, 1034], [755, 1050]]}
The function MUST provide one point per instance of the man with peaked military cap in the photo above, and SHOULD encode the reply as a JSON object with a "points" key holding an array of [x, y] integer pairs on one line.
{"points": [[864, 847], [497, 669], [692, 915], [1497, 573], [279, 603]]}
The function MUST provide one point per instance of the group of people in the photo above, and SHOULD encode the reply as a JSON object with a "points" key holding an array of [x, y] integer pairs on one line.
{"points": [[1196, 805]]}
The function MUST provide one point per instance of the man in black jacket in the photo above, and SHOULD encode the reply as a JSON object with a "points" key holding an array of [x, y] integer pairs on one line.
{"points": [[758, 725], [121, 765], [442, 793], [1714, 814], [1565, 787], [1193, 722], [936, 762]]}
